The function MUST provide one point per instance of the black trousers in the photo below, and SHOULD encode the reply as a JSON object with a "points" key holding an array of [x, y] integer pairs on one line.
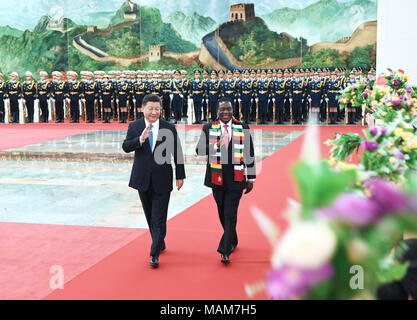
{"points": [[89, 106], [14, 109], [227, 205], [166, 104], [155, 206], [30, 107], [75, 110], [2, 110], [43, 105], [59, 109]]}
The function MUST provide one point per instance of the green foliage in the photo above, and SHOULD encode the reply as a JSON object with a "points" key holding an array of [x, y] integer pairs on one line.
{"points": [[319, 185], [253, 43], [346, 145], [324, 58], [361, 57]]}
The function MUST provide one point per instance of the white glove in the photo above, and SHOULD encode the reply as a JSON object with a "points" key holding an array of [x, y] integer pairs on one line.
{"points": [[273, 100], [134, 100], [83, 100], [101, 100], [95, 101], [290, 99], [68, 100], [240, 100], [117, 100], [302, 100], [20, 100], [36, 100], [321, 101], [181, 95], [285, 100], [171, 96], [327, 99], [256, 100], [309, 100]]}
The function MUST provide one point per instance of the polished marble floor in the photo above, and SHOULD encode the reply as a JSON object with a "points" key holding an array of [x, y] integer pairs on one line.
{"points": [[82, 180]]}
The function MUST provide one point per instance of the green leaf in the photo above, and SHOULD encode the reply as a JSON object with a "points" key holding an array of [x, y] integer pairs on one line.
{"points": [[319, 185], [392, 272]]}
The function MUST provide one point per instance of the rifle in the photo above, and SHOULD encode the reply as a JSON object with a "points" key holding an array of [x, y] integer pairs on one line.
{"points": [[240, 111], [310, 112], [84, 111], [192, 112], [274, 112], [118, 108], [39, 112], [9, 111], [24, 110], [114, 110], [96, 107], [328, 112], [257, 112], [136, 111], [291, 112], [68, 110], [208, 110], [53, 110]]}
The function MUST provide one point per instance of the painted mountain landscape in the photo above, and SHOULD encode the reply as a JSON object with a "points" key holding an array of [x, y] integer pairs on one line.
{"points": [[91, 34]]}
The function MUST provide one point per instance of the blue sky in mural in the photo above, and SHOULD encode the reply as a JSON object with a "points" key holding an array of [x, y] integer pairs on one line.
{"points": [[25, 14]]}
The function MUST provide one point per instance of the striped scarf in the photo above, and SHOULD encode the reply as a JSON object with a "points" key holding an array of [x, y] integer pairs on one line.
{"points": [[215, 161]]}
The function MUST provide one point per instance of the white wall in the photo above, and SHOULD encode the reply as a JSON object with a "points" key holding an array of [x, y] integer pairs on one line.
{"points": [[397, 36]]}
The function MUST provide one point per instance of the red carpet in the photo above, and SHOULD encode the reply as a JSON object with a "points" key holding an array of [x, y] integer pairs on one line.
{"points": [[28, 251], [191, 268]]}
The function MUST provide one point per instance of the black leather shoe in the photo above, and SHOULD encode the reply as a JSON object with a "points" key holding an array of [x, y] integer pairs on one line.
{"points": [[225, 259], [154, 262], [163, 248]]}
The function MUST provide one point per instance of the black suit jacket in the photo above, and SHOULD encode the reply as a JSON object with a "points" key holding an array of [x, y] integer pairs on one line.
{"points": [[154, 169], [204, 148]]}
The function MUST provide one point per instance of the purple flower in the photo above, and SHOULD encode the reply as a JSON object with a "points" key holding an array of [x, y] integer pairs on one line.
{"points": [[369, 145], [398, 154], [376, 130], [367, 81], [364, 95], [293, 282], [352, 208], [396, 102], [409, 90], [396, 83], [386, 195]]}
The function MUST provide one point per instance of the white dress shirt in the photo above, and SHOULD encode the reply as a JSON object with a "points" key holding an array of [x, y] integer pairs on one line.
{"points": [[155, 130]]}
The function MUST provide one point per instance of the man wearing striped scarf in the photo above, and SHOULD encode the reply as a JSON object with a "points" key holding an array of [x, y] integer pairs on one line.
{"points": [[228, 145]]}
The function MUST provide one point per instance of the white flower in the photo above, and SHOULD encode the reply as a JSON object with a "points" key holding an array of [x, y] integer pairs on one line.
{"points": [[307, 244]]}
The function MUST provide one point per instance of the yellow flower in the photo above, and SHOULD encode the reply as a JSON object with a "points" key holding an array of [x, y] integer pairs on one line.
{"points": [[332, 161], [393, 160], [384, 114], [328, 142], [398, 131], [406, 135], [374, 103], [346, 166]]}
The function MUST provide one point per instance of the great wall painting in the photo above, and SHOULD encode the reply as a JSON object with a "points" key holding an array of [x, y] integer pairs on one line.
{"points": [[148, 35]]}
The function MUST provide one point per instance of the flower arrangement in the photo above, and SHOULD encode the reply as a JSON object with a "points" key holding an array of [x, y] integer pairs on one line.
{"points": [[348, 220]]}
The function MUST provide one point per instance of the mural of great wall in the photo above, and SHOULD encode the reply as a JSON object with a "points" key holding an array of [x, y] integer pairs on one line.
{"points": [[138, 37]]}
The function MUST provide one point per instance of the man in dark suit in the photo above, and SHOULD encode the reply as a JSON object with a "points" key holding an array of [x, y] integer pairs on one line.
{"points": [[228, 145], [155, 142]]}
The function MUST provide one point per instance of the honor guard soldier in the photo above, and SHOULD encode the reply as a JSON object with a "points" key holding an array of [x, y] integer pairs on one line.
{"points": [[59, 90], [186, 90], [197, 90], [91, 94], [75, 93], [352, 111], [122, 98], [316, 95], [98, 80], [14, 95], [297, 93], [205, 94], [139, 92], [287, 103], [221, 74], [2, 97], [262, 94], [166, 94], [306, 95], [29, 96], [131, 80], [333, 88], [245, 95], [279, 85], [213, 93], [230, 87], [270, 110], [253, 105], [44, 93], [177, 95], [238, 77], [106, 95]]}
